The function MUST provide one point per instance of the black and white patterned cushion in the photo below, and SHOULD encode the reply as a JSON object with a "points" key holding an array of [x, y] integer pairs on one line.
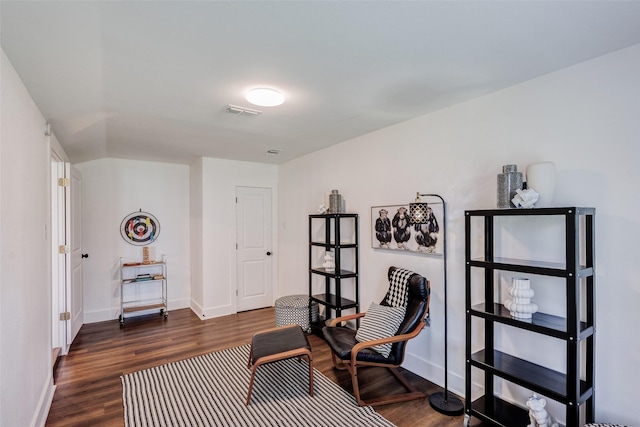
{"points": [[381, 321], [398, 295]]}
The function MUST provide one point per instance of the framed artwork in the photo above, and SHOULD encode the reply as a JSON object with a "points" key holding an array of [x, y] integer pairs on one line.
{"points": [[392, 229], [140, 228]]}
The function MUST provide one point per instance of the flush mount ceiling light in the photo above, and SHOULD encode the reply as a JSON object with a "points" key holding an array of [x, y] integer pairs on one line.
{"points": [[265, 97]]}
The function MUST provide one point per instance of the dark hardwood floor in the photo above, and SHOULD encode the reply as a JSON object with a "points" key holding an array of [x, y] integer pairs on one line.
{"points": [[89, 391]]}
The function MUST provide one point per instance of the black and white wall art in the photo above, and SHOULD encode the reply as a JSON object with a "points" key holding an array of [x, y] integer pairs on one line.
{"points": [[392, 229]]}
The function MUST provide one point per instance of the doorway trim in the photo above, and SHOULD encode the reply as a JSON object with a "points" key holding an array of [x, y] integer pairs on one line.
{"points": [[58, 260]]}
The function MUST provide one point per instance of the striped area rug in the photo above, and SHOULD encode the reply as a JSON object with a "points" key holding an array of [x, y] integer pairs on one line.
{"points": [[210, 390]]}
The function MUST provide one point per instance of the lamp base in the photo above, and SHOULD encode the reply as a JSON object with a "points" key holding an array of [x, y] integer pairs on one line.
{"points": [[446, 404]]}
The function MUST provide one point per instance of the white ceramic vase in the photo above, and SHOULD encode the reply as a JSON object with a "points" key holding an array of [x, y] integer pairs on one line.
{"points": [[542, 178], [520, 304], [329, 263]]}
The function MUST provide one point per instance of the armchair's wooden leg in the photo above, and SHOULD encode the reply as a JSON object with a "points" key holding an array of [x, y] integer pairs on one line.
{"points": [[337, 363], [353, 370], [310, 375], [407, 385], [253, 373], [412, 393]]}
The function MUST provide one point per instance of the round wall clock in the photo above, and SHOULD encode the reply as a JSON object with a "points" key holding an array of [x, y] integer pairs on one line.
{"points": [[140, 228]]}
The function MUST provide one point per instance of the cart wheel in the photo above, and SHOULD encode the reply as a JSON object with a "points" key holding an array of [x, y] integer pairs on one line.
{"points": [[466, 420], [162, 312], [121, 321], [165, 315]]}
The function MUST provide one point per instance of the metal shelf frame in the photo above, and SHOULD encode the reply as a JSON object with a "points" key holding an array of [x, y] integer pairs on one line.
{"points": [[577, 334], [129, 277], [332, 298]]}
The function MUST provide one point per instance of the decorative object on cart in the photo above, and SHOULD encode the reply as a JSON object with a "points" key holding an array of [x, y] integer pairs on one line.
{"points": [[520, 305], [322, 209], [140, 228], [329, 263], [145, 255], [542, 178], [392, 228], [421, 214], [509, 181], [525, 198], [335, 202], [537, 414]]}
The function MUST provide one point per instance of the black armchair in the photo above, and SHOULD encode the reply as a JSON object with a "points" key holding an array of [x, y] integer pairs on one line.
{"points": [[350, 354]]}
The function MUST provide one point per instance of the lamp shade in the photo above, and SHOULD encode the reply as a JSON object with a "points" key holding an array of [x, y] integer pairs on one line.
{"points": [[418, 212]]}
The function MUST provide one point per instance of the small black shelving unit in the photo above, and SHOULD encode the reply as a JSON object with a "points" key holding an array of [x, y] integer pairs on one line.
{"points": [[575, 386], [333, 239]]}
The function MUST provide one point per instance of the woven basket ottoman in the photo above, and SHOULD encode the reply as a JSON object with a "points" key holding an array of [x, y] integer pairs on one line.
{"points": [[294, 309]]}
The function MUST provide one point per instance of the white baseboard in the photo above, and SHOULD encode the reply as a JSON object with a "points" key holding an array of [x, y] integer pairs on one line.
{"points": [[435, 373], [44, 404], [202, 313], [114, 312], [198, 310], [211, 313]]}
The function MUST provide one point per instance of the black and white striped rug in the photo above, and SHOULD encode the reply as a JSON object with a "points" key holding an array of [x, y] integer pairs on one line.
{"points": [[210, 390]]}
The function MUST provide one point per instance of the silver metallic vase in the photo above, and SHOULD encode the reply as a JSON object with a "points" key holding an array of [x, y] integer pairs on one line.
{"points": [[509, 181], [335, 202]]}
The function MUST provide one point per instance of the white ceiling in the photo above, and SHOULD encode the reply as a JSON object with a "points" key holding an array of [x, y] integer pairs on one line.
{"points": [[150, 80]]}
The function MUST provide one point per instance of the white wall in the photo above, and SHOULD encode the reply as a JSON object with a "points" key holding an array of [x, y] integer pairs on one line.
{"points": [[216, 180], [26, 384], [584, 118], [195, 206], [113, 188]]}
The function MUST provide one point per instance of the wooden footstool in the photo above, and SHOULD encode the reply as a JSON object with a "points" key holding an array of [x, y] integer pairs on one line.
{"points": [[276, 344]]}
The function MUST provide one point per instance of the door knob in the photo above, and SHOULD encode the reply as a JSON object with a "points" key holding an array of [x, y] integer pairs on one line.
{"points": [[269, 253], [85, 255]]}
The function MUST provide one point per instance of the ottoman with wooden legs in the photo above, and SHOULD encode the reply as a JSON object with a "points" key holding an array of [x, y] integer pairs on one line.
{"points": [[276, 344]]}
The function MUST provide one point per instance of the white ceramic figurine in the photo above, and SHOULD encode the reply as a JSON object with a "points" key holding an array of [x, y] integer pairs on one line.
{"points": [[537, 414]]}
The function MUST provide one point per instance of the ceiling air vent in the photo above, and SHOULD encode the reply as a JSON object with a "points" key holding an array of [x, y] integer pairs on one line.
{"points": [[242, 111]]}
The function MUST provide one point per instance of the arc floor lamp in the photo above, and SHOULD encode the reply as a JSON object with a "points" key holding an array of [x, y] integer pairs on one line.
{"points": [[420, 213]]}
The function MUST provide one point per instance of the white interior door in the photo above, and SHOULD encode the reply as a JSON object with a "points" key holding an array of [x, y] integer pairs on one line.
{"points": [[253, 237], [75, 296]]}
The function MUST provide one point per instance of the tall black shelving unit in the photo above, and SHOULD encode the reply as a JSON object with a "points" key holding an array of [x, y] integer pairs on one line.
{"points": [[575, 387], [333, 240]]}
